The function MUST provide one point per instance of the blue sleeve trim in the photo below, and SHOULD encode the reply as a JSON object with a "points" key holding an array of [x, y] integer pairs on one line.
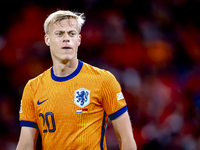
{"points": [[118, 113], [28, 124], [103, 129]]}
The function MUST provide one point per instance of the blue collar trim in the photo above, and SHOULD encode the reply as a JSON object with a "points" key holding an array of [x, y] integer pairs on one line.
{"points": [[61, 79]]}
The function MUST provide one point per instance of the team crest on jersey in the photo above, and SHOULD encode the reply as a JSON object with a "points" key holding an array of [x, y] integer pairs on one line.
{"points": [[82, 97]]}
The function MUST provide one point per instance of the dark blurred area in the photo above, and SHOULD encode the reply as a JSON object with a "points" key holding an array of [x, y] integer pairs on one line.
{"points": [[151, 46]]}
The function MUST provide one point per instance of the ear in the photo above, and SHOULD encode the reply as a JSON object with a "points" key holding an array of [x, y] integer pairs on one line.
{"points": [[47, 39], [79, 40]]}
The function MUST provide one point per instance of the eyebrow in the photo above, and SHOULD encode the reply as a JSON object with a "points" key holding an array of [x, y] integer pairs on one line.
{"points": [[65, 31]]}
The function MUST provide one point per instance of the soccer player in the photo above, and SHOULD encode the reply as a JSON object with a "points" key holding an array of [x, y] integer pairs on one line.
{"points": [[70, 103]]}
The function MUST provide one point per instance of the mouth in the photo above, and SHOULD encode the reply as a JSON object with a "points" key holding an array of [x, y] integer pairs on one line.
{"points": [[66, 47]]}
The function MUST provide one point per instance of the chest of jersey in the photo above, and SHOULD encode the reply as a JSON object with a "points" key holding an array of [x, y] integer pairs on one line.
{"points": [[71, 107], [71, 112]]}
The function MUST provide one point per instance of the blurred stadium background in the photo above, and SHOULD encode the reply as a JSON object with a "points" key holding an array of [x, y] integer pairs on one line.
{"points": [[151, 46]]}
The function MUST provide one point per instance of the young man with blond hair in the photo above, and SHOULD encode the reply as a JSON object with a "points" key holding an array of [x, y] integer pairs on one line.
{"points": [[70, 103]]}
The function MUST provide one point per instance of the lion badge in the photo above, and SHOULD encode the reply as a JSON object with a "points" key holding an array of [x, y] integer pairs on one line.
{"points": [[82, 97]]}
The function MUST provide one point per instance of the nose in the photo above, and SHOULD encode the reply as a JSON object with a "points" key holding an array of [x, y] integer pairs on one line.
{"points": [[66, 38]]}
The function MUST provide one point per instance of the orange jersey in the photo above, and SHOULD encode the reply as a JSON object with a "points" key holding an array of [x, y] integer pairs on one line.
{"points": [[71, 112]]}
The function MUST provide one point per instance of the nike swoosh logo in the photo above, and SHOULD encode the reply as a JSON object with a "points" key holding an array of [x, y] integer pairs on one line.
{"points": [[39, 103]]}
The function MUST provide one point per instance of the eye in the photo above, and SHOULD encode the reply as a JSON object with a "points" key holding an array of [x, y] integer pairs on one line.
{"points": [[59, 33], [72, 33]]}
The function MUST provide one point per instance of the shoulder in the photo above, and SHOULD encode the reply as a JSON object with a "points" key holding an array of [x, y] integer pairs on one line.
{"points": [[33, 83], [102, 74], [95, 70]]}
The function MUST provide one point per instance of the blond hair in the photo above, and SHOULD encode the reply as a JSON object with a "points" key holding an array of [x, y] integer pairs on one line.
{"points": [[63, 14]]}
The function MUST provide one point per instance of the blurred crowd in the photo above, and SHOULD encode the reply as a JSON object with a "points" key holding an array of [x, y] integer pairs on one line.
{"points": [[151, 46]]}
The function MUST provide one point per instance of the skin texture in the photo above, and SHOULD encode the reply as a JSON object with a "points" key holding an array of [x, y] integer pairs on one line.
{"points": [[28, 138], [63, 40], [124, 133]]}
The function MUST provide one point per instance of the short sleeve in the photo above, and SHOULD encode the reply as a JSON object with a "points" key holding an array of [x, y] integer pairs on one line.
{"points": [[113, 100], [27, 109]]}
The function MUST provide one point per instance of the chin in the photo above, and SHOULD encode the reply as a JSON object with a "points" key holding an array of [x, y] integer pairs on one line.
{"points": [[67, 59]]}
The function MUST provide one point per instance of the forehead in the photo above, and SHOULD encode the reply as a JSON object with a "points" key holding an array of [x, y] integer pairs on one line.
{"points": [[65, 24]]}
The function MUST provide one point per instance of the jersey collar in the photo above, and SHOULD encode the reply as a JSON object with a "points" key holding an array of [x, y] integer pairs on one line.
{"points": [[61, 79]]}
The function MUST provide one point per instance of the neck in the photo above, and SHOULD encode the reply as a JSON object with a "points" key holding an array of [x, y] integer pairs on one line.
{"points": [[66, 68]]}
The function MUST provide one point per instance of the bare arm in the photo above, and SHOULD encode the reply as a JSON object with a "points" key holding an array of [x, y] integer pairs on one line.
{"points": [[124, 133], [28, 138]]}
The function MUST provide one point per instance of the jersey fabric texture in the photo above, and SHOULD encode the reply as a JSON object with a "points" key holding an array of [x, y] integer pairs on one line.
{"points": [[71, 112]]}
